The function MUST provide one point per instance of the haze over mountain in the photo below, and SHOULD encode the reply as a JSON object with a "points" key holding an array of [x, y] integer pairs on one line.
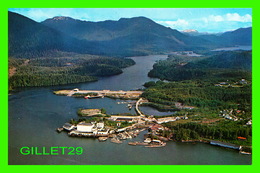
{"points": [[125, 37]]}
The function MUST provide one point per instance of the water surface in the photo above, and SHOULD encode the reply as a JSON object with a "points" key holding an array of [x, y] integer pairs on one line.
{"points": [[35, 113]]}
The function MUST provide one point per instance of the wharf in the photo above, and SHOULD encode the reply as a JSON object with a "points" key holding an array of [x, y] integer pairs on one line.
{"points": [[102, 93], [226, 145]]}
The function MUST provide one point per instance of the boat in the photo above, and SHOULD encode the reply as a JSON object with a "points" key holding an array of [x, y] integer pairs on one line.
{"points": [[243, 152], [59, 129], [115, 140], [102, 139], [94, 97], [129, 106], [137, 143], [156, 145], [132, 143]]}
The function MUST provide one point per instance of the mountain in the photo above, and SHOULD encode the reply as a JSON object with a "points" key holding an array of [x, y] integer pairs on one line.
{"points": [[137, 34], [28, 38], [241, 36], [109, 30], [191, 32], [125, 37], [233, 64], [230, 60]]}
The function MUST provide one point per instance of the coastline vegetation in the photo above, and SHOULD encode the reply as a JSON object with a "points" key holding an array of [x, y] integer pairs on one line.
{"points": [[202, 88], [219, 66], [63, 70]]}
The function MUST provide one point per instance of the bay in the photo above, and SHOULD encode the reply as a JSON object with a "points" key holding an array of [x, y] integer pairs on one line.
{"points": [[35, 113]]}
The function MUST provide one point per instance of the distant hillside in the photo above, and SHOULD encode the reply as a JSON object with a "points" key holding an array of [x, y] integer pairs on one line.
{"points": [[241, 36], [138, 35], [236, 64], [125, 37], [109, 30], [232, 60], [28, 38]]}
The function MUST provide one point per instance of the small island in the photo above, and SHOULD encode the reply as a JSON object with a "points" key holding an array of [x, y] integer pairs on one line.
{"points": [[91, 112]]}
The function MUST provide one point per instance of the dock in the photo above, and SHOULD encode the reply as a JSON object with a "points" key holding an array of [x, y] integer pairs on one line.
{"points": [[101, 93], [226, 145]]}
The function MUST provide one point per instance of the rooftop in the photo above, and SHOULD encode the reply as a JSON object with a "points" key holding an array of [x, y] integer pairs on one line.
{"points": [[85, 124]]}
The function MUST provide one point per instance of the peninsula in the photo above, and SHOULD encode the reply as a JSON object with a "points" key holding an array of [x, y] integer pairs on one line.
{"points": [[96, 123]]}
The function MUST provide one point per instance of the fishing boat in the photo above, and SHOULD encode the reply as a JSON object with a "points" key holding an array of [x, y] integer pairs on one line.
{"points": [[102, 139], [156, 145]]}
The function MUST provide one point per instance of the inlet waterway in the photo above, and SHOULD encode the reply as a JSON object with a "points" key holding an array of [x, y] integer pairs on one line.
{"points": [[35, 113]]}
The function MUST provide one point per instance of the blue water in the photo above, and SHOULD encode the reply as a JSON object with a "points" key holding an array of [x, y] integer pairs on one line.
{"points": [[234, 48], [35, 113]]}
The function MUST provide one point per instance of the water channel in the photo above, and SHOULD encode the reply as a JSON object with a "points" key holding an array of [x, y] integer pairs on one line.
{"points": [[35, 113]]}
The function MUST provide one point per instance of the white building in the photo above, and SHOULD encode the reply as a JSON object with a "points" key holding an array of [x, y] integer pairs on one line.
{"points": [[85, 127], [100, 125]]}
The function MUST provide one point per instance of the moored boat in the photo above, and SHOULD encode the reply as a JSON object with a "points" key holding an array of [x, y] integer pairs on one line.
{"points": [[243, 152], [59, 129], [102, 139], [156, 145], [115, 140], [93, 97], [137, 143]]}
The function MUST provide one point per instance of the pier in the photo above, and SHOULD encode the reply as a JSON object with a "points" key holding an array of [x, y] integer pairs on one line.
{"points": [[102, 93]]}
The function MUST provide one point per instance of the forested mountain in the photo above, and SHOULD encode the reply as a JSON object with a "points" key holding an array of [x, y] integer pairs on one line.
{"points": [[129, 29], [236, 64], [241, 36], [231, 60], [51, 57], [125, 37], [28, 38], [138, 35]]}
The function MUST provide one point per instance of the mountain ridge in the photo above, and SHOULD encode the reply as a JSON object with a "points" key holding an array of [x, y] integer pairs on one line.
{"points": [[125, 37]]}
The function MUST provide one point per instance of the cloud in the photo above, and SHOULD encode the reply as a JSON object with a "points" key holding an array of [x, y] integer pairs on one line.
{"points": [[178, 24], [236, 17], [208, 20], [223, 22], [40, 14], [217, 18], [232, 17]]}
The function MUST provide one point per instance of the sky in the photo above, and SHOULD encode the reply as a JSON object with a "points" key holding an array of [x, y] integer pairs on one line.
{"points": [[210, 20]]}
